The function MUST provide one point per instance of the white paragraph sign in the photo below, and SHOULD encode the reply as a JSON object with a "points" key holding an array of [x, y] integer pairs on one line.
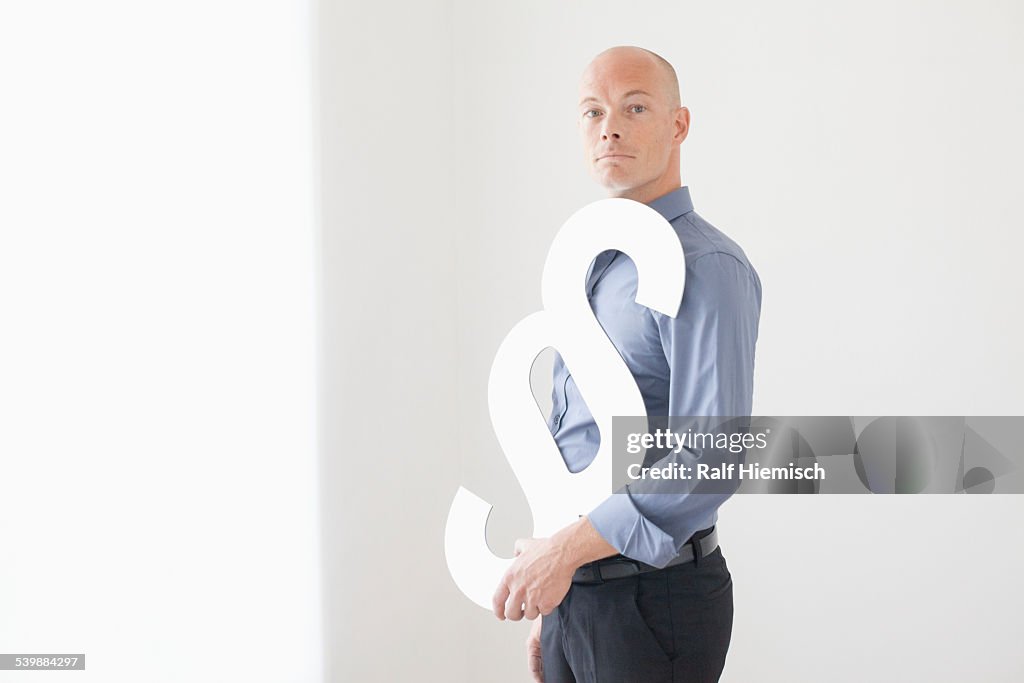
{"points": [[556, 496]]}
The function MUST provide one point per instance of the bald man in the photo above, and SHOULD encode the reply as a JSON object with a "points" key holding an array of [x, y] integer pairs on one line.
{"points": [[638, 589]]}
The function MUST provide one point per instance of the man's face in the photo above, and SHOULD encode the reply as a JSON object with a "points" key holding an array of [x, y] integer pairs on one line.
{"points": [[631, 125]]}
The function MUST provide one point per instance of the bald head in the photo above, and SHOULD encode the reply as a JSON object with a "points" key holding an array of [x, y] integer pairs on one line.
{"points": [[632, 122], [628, 57]]}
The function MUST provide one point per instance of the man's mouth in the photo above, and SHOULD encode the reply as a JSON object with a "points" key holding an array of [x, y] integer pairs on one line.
{"points": [[615, 155]]}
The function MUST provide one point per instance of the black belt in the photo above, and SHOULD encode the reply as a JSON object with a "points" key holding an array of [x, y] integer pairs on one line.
{"points": [[619, 567]]}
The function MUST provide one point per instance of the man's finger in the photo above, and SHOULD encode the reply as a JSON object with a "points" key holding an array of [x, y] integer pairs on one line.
{"points": [[534, 653], [499, 599], [536, 664], [521, 544], [531, 612], [514, 605]]}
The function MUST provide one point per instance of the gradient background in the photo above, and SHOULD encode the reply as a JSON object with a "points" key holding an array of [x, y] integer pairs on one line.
{"points": [[256, 259]]}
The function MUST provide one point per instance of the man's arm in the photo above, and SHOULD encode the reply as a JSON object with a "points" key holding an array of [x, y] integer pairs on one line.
{"points": [[709, 348]]}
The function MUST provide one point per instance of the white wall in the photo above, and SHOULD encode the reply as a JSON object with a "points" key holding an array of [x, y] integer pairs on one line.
{"points": [[158, 499], [865, 155], [390, 414]]}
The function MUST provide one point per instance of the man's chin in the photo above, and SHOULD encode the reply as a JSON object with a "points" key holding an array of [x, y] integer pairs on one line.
{"points": [[612, 181], [616, 187]]}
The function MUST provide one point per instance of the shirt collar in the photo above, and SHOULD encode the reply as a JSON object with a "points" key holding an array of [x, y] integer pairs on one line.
{"points": [[674, 204]]}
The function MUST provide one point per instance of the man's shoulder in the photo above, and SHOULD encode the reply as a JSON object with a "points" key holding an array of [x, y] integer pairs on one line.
{"points": [[700, 238]]}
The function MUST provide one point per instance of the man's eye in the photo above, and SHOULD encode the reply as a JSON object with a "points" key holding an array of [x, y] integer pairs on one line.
{"points": [[638, 108], [591, 113]]}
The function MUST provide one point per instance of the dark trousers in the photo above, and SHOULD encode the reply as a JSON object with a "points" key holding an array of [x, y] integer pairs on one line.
{"points": [[672, 625]]}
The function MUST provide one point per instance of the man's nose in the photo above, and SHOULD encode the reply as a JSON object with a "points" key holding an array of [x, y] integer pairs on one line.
{"points": [[610, 128]]}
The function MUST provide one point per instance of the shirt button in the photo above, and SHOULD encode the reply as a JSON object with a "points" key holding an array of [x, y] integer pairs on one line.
{"points": [[557, 419]]}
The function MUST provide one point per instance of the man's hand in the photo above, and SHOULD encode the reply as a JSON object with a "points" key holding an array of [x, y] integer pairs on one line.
{"points": [[536, 581], [533, 654], [541, 574]]}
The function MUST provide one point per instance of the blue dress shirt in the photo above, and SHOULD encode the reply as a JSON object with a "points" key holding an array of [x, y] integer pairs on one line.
{"points": [[700, 363]]}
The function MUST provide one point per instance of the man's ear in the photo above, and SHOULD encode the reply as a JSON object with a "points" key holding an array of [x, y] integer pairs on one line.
{"points": [[682, 125]]}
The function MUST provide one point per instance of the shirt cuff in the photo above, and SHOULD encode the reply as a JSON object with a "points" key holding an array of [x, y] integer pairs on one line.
{"points": [[621, 524]]}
